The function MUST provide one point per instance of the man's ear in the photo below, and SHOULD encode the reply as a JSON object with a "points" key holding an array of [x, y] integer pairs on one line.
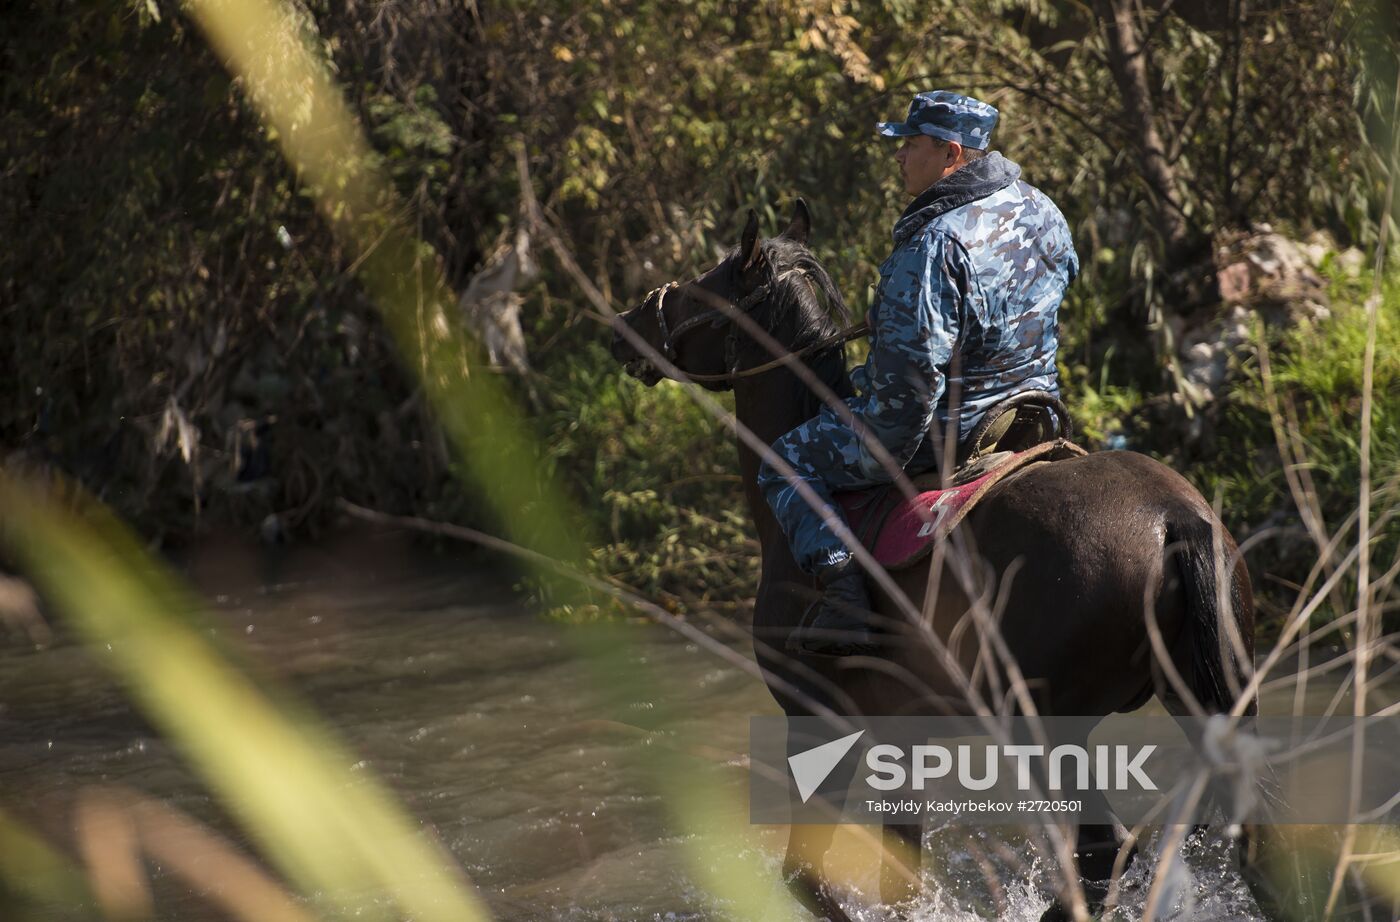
{"points": [[749, 248], [801, 225], [955, 152]]}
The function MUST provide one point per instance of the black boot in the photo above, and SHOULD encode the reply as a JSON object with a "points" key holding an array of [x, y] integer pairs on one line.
{"points": [[838, 623]]}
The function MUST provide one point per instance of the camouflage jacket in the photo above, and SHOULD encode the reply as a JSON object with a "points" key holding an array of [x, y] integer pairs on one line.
{"points": [[965, 311]]}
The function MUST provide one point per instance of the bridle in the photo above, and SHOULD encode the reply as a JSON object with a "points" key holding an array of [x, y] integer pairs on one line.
{"points": [[718, 315], [714, 315]]}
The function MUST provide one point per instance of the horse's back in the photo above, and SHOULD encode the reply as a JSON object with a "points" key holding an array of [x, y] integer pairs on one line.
{"points": [[1069, 557]]}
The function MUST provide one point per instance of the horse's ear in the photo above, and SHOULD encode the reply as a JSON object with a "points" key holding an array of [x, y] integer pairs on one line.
{"points": [[749, 248], [801, 226]]}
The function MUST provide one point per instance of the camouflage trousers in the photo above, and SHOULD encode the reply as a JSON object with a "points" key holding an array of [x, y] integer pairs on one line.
{"points": [[826, 454]]}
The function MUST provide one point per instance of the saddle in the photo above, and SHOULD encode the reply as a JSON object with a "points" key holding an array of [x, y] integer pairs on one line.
{"points": [[1014, 434]]}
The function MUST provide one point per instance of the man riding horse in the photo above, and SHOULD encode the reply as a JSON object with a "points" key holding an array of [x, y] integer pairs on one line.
{"points": [[963, 318]]}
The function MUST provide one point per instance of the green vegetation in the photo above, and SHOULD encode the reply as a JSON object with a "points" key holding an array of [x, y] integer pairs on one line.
{"points": [[1317, 375], [650, 464]]}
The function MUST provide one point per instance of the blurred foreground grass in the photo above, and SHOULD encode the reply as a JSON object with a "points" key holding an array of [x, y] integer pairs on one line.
{"points": [[280, 773]]}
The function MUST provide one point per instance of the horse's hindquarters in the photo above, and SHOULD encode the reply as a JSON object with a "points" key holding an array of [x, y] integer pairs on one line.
{"points": [[1068, 566]]}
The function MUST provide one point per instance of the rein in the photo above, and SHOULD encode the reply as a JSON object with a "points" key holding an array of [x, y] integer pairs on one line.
{"points": [[834, 339], [669, 338]]}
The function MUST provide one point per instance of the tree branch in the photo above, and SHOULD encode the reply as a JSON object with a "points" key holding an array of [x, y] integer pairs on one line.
{"points": [[1127, 62]]}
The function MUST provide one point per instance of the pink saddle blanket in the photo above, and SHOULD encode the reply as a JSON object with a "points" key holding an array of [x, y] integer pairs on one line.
{"points": [[899, 532]]}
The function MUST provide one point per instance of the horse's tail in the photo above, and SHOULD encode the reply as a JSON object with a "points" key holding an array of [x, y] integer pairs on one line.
{"points": [[1211, 663]]}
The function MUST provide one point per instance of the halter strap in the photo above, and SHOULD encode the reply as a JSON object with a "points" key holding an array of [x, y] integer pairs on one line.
{"points": [[667, 349]]}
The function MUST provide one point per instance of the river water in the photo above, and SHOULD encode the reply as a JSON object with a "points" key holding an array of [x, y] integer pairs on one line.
{"points": [[484, 722]]}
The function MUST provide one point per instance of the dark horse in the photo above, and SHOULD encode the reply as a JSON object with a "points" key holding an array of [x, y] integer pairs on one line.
{"points": [[1086, 555]]}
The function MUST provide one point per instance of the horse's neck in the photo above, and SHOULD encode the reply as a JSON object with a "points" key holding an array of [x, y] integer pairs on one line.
{"points": [[769, 406]]}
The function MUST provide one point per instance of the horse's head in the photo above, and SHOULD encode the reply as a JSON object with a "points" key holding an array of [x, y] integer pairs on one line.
{"points": [[699, 326]]}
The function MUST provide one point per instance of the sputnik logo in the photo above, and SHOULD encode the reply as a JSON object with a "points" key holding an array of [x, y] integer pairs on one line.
{"points": [[810, 768]]}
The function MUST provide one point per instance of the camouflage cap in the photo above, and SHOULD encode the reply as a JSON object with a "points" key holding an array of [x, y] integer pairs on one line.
{"points": [[946, 115]]}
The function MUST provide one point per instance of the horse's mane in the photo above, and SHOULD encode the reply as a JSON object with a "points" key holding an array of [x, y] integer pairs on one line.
{"points": [[815, 304], [808, 307]]}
